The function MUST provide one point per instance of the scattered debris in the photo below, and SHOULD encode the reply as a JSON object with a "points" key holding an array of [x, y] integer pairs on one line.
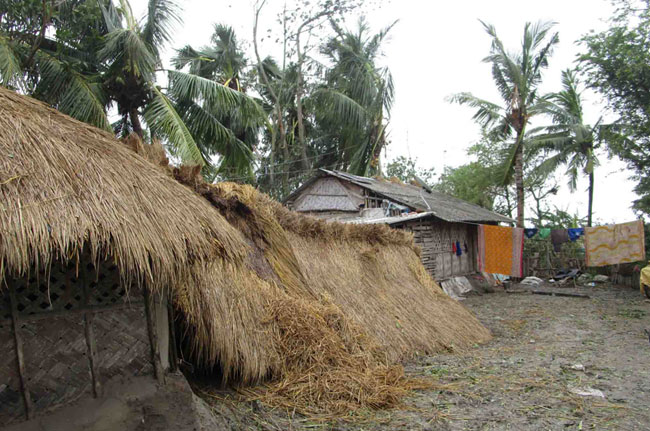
{"points": [[585, 279], [578, 367], [517, 291], [532, 281], [567, 294], [588, 392], [601, 278], [456, 287], [566, 274]]}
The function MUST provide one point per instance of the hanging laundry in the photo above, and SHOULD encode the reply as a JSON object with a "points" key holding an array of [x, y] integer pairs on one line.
{"points": [[465, 247], [544, 232], [500, 250], [530, 232], [453, 247], [459, 251], [559, 237], [575, 233], [615, 243]]}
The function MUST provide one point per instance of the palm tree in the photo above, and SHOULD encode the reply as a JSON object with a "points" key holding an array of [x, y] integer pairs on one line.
{"points": [[55, 58], [114, 62], [571, 142], [354, 105], [517, 76], [224, 62]]}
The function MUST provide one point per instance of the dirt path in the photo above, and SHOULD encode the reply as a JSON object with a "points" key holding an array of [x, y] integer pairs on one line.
{"points": [[544, 349]]}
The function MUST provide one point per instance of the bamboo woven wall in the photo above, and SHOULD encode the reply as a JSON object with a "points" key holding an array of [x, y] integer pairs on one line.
{"points": [[11, 405], [435, 238], [55, 313]]}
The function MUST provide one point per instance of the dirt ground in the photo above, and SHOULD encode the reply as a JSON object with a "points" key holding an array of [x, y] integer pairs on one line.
{"points": [[545, 348]]}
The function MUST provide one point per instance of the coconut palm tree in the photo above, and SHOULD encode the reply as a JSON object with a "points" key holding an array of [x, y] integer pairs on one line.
{"points": [[354, 105], [49, 50], [224, 62], [571, 142], [517, 77], [132, 51], [113, 62]]}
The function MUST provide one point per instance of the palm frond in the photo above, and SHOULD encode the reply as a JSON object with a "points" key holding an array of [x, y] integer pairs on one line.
{"points": [[487, 113], [193, 87], [162, 16], [126, 49], [111, 16], [340, 107], [65, 88], [164, 121], [11, 73], [550, 165]]}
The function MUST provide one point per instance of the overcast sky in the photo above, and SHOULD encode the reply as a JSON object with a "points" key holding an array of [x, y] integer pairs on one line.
{"points": [[436, 50]]}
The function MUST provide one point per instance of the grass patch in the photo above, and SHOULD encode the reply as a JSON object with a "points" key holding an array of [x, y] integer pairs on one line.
{"points": [[632, 313]]}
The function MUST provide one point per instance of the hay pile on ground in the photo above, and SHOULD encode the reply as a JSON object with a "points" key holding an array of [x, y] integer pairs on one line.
{"points": [[329, 366], [341, 303]]}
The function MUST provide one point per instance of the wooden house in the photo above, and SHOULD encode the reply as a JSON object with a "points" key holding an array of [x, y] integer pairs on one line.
{"points": [[440, 223]]}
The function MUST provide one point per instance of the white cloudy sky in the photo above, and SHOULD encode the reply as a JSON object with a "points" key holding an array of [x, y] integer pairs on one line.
{"points": [[436, 50]]}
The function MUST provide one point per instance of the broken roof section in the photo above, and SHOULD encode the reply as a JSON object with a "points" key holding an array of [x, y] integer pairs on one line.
{"points": [[417, 198]]}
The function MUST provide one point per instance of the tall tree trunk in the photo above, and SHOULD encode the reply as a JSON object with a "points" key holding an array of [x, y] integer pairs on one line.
{"points": [[299, 113], [282, 142], [274, 134], [300, 87], [519, 183], [45, 21], [135, 123], [304, 163], [508, 203], [375, 161], [591, 197]]}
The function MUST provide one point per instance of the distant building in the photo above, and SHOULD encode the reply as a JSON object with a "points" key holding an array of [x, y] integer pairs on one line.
{"points": [[439, 222]]}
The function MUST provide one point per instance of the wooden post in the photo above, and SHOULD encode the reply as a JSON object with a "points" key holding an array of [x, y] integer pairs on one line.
{"points": [[173, 359], [153, 337], [92, 353], [20, 358], [89, 334]]}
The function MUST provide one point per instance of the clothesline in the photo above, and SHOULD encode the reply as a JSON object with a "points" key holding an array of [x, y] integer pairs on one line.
{"points": [[501, 248]]}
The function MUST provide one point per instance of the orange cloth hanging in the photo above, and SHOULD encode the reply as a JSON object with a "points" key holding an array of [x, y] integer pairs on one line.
{"points": [[500, 250]]}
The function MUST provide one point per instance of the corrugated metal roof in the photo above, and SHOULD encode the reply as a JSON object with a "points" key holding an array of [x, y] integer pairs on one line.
{"points": [[440, 205]]}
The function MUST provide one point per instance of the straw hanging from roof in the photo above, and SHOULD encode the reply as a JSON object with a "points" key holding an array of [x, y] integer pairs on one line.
{"points": [[65, 185]]}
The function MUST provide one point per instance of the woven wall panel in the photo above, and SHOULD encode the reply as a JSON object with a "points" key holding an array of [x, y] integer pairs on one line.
{"points": [[61, 289], [55, 348], [5, 306], [55, 361], [11, 404], [122, 343], [106, 287], [39, 293]]}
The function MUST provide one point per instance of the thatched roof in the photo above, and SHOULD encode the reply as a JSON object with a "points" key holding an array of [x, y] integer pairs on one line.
{"points": [[440, 205], [321, 309], [318, 302], [65, 185]]}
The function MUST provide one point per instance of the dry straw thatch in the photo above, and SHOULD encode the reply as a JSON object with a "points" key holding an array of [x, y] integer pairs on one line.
{"points": [[65, 185], [336, 305], [320, 311]]}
